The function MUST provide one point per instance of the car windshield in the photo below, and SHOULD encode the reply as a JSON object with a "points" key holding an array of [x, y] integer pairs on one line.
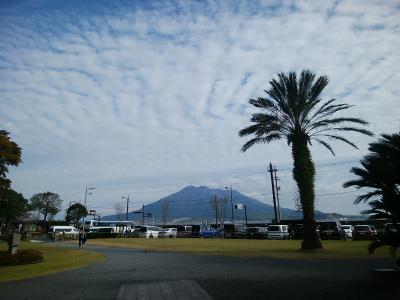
{"points": [[346, 226], [361, 228], [327, 225], [273, 228]]}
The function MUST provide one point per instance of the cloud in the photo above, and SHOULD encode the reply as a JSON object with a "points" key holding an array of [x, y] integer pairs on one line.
{"points": [[145, 99]]}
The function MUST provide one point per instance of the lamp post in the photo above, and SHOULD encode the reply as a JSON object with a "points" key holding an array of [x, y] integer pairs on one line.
{"points": [[233, 221], [127, 206], [86, 193]]}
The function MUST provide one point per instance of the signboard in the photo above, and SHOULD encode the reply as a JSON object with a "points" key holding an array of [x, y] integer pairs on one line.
{"points": [[239, 206]]}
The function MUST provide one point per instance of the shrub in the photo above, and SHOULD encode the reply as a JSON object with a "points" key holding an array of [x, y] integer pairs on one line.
{"points": [[28, 256]]}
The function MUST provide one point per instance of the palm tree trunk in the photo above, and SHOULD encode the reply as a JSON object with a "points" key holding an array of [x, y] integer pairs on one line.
{"points": [[304, 175]]}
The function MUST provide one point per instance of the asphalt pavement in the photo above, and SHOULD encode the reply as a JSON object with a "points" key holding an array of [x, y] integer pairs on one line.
{"points": [[220, 277]]}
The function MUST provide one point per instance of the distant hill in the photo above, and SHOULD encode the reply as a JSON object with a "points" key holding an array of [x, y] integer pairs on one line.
{"points": [[192, 204]]}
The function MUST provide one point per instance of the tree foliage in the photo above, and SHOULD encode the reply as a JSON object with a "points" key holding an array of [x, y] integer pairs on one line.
{"points": [[48, 204], [293, 110], [10, 154], [76, 212], [218, 205], [380, 174], [165, 205], [14, 207]]}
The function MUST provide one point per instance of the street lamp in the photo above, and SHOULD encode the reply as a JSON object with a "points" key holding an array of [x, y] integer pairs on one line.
{"points": [[86, 193], [127, 206], [233, 221]]}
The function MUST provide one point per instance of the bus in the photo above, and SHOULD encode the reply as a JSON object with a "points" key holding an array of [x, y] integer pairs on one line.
{"points": [[109, 226]]}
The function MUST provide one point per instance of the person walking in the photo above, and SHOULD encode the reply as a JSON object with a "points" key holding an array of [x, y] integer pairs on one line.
{"points": [[82, 237]]}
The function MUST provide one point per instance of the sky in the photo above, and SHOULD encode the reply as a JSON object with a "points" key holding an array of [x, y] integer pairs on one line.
{"points": [[143, 98]]}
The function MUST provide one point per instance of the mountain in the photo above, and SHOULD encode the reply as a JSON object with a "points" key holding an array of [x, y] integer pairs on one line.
{"points": [[193, 204]]}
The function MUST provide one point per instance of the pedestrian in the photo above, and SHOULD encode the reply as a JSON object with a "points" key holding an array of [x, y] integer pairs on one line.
{"points": [[82, 237]]}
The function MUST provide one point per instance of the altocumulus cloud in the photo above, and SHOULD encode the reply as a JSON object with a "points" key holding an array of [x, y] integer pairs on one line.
{"points": [[145, 97]]}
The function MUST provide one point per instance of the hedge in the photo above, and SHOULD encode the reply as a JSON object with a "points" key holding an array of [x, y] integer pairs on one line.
{"points": [[22, 257]]}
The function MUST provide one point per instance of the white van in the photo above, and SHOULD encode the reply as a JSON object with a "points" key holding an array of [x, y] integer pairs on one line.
{"points": [[151, 232], [67, 230], [278, 232]]}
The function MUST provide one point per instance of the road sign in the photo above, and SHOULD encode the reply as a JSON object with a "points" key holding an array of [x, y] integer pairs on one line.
{"points": [[239, 206]]}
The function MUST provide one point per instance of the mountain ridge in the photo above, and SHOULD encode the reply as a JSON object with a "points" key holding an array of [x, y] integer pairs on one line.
{"points": [[192, 204]]}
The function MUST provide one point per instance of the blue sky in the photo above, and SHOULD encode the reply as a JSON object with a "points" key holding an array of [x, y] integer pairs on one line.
{"points": [[146, 97]]}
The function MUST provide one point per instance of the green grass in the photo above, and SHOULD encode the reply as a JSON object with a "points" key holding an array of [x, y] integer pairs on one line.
{"points": [[248, 248], [56, 259]]}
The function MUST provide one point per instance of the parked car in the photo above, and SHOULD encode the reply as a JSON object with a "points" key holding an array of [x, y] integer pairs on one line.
{"points": [[330, 230], [390, 228], [170, 233], [278, 232], [347, 231], [257, 233], [184, 231], [207, 232], [297, 231], [235, 232], [67, 230], [151, 232], [364, 232]]}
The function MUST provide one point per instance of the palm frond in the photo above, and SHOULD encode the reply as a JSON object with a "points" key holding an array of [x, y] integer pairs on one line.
{"points": [[340, 138], [249, 130], [325, 144], [354, 129], [364, 198], [261, 140]]}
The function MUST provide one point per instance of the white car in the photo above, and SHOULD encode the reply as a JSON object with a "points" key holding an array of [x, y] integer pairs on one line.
{"points": [[63, 230], [151, 232], [278, 232], [170, 233], [347, 231]]}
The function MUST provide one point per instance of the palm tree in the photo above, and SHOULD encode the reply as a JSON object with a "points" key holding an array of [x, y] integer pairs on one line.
{"points": [[294, 111], [380, 173]]}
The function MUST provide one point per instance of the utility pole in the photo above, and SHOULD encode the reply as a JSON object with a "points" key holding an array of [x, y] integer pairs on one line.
{"points": [[127, 207], [143, 215], [233, 220], [245, 213], [277, 221], [216, 211], [86, 193], [277, 195]]}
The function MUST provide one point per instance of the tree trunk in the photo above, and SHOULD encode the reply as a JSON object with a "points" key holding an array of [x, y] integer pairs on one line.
{"points": [[304, 175]]}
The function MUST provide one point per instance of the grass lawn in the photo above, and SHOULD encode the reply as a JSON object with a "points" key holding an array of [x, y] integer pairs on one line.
{"points": [[248, 248], [56, 259]]}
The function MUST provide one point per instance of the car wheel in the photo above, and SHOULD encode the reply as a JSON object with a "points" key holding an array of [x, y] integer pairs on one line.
{"points": [[170, 236], [150, 236]]}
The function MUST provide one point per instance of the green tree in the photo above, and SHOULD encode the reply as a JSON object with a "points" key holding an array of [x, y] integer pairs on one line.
{"points": [[380, 174], [294, 111], [48, 204], [14, 207], [10, 154], [76, 212]]}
